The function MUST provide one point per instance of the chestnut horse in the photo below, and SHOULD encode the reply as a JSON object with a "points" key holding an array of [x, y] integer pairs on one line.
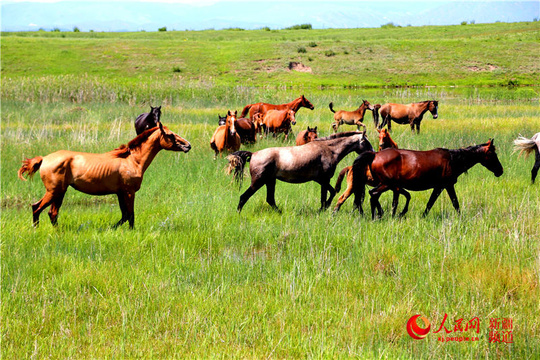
{"points": [[148, 120], [225, 137], [528, 145], [385, 142], [279, 121], [314, 161], [408, 114], [436, 169], [117, 172], [261, 107], [306, 136], [350, 117]]}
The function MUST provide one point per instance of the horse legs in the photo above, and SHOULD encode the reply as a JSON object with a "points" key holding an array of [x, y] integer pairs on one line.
{"points": [[434, 195], [252, 189], [38, 207], [408, 198], [55, 207], [270, 194], [348, 192], [395, 202], [453, 197], [387, 121], [375, 194], [536, 166], [126, 200], [332, 192]]}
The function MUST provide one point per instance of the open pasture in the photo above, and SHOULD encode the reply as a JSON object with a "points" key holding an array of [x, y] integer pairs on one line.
{"points": [[195, 279]]}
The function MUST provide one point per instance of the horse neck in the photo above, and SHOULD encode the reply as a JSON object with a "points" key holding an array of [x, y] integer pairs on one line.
{"points": [[464, 159], [146, 152], [295, 105], [342, 147], [424, 106]]}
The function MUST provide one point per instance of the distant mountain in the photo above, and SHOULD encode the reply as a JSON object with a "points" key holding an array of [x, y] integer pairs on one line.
{"points": [[149, 16]]}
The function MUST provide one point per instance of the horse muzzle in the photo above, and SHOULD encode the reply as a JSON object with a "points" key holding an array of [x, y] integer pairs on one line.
{"points": [[185, 148]]}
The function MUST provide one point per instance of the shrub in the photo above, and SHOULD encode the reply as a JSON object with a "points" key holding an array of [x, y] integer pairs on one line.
{"points": [[312, 44], [463, 23], [176, 69], [302, 50], [266, 28], [390, 25], [162, 28], [300, 27], [329, 53], [76, 29]]}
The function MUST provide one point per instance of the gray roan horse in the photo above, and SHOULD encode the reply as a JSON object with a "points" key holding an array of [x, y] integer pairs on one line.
{"points": [[314, 161]]}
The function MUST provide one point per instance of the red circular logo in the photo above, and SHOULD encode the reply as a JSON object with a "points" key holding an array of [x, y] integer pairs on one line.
{"points": [[415, 331]]}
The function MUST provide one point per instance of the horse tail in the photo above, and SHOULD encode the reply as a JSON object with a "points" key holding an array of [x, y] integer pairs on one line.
{"points": [[376, 116], [524, 145], [341, 175], [245, 110], [30, 167], [237, 162], [331, 106], [359, 171]]}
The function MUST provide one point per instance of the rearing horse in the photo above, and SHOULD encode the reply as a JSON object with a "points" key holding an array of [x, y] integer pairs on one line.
{"points": [[117, 172], [408, 114], [264, 107]]}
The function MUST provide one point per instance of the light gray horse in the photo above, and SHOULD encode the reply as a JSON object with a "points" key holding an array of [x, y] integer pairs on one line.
{"points": [[528, 145], [314, 161]]}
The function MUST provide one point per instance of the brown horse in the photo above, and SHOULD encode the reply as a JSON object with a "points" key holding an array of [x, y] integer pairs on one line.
{"points": [[225, 137], [279, 121], [529, 145], [436, 169], [262, 108], [385, 142], [408, 114], [314, 161], [306, 136], [117, 172], [247, 130], [350, 117]]}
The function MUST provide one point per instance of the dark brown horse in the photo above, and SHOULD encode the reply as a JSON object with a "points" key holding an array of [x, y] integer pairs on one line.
{"points": [[247, 131], [385, 142], [264, 107], [376, 109], [117, 172], [314, 161], [148, 120], [225, 137], [306, 136], [411, 114], [529, 145], [350, 117], [279, 121], [436, 169]]}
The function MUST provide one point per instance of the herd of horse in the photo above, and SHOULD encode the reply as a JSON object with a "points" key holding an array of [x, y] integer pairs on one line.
{"points": [[314, 158]]}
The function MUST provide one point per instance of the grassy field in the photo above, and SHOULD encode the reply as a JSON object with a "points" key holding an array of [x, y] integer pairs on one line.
{"points": [[195, 279]]}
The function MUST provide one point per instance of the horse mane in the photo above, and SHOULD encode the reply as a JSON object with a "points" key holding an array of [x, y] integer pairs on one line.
{"points": [[124, 150], [338, 135], [460, 155]]}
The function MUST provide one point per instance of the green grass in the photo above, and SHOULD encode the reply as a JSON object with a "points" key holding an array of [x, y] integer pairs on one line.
{"points": [[194, 279]]}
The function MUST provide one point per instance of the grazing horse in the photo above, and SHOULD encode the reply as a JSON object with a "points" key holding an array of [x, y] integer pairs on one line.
{"points": [[117, 172], [264, 107], [279, 121], [408, 114], [528, 145], [247, 130], [385, 142], [436, 169], [148, 120], [350, 117], [225, 137], [315, 161], [306, 136]]}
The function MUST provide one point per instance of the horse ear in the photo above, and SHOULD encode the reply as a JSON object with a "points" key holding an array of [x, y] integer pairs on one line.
{"points": [[315, 129], [159, 107]]}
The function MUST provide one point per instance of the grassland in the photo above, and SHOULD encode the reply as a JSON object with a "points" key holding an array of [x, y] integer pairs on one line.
{"points": [[195, 279]]}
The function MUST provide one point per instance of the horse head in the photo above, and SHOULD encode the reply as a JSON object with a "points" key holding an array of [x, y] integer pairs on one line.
{"points": [[171, 141], [306, 103], [367, 105], [222, 120], [385, 141], [290, 116], [363, 143], [156, 113], [433, 106], [490, 159], [231, 121]]}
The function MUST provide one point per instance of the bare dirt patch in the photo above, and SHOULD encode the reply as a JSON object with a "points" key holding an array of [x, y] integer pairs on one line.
{"points": [[296, 66]]}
